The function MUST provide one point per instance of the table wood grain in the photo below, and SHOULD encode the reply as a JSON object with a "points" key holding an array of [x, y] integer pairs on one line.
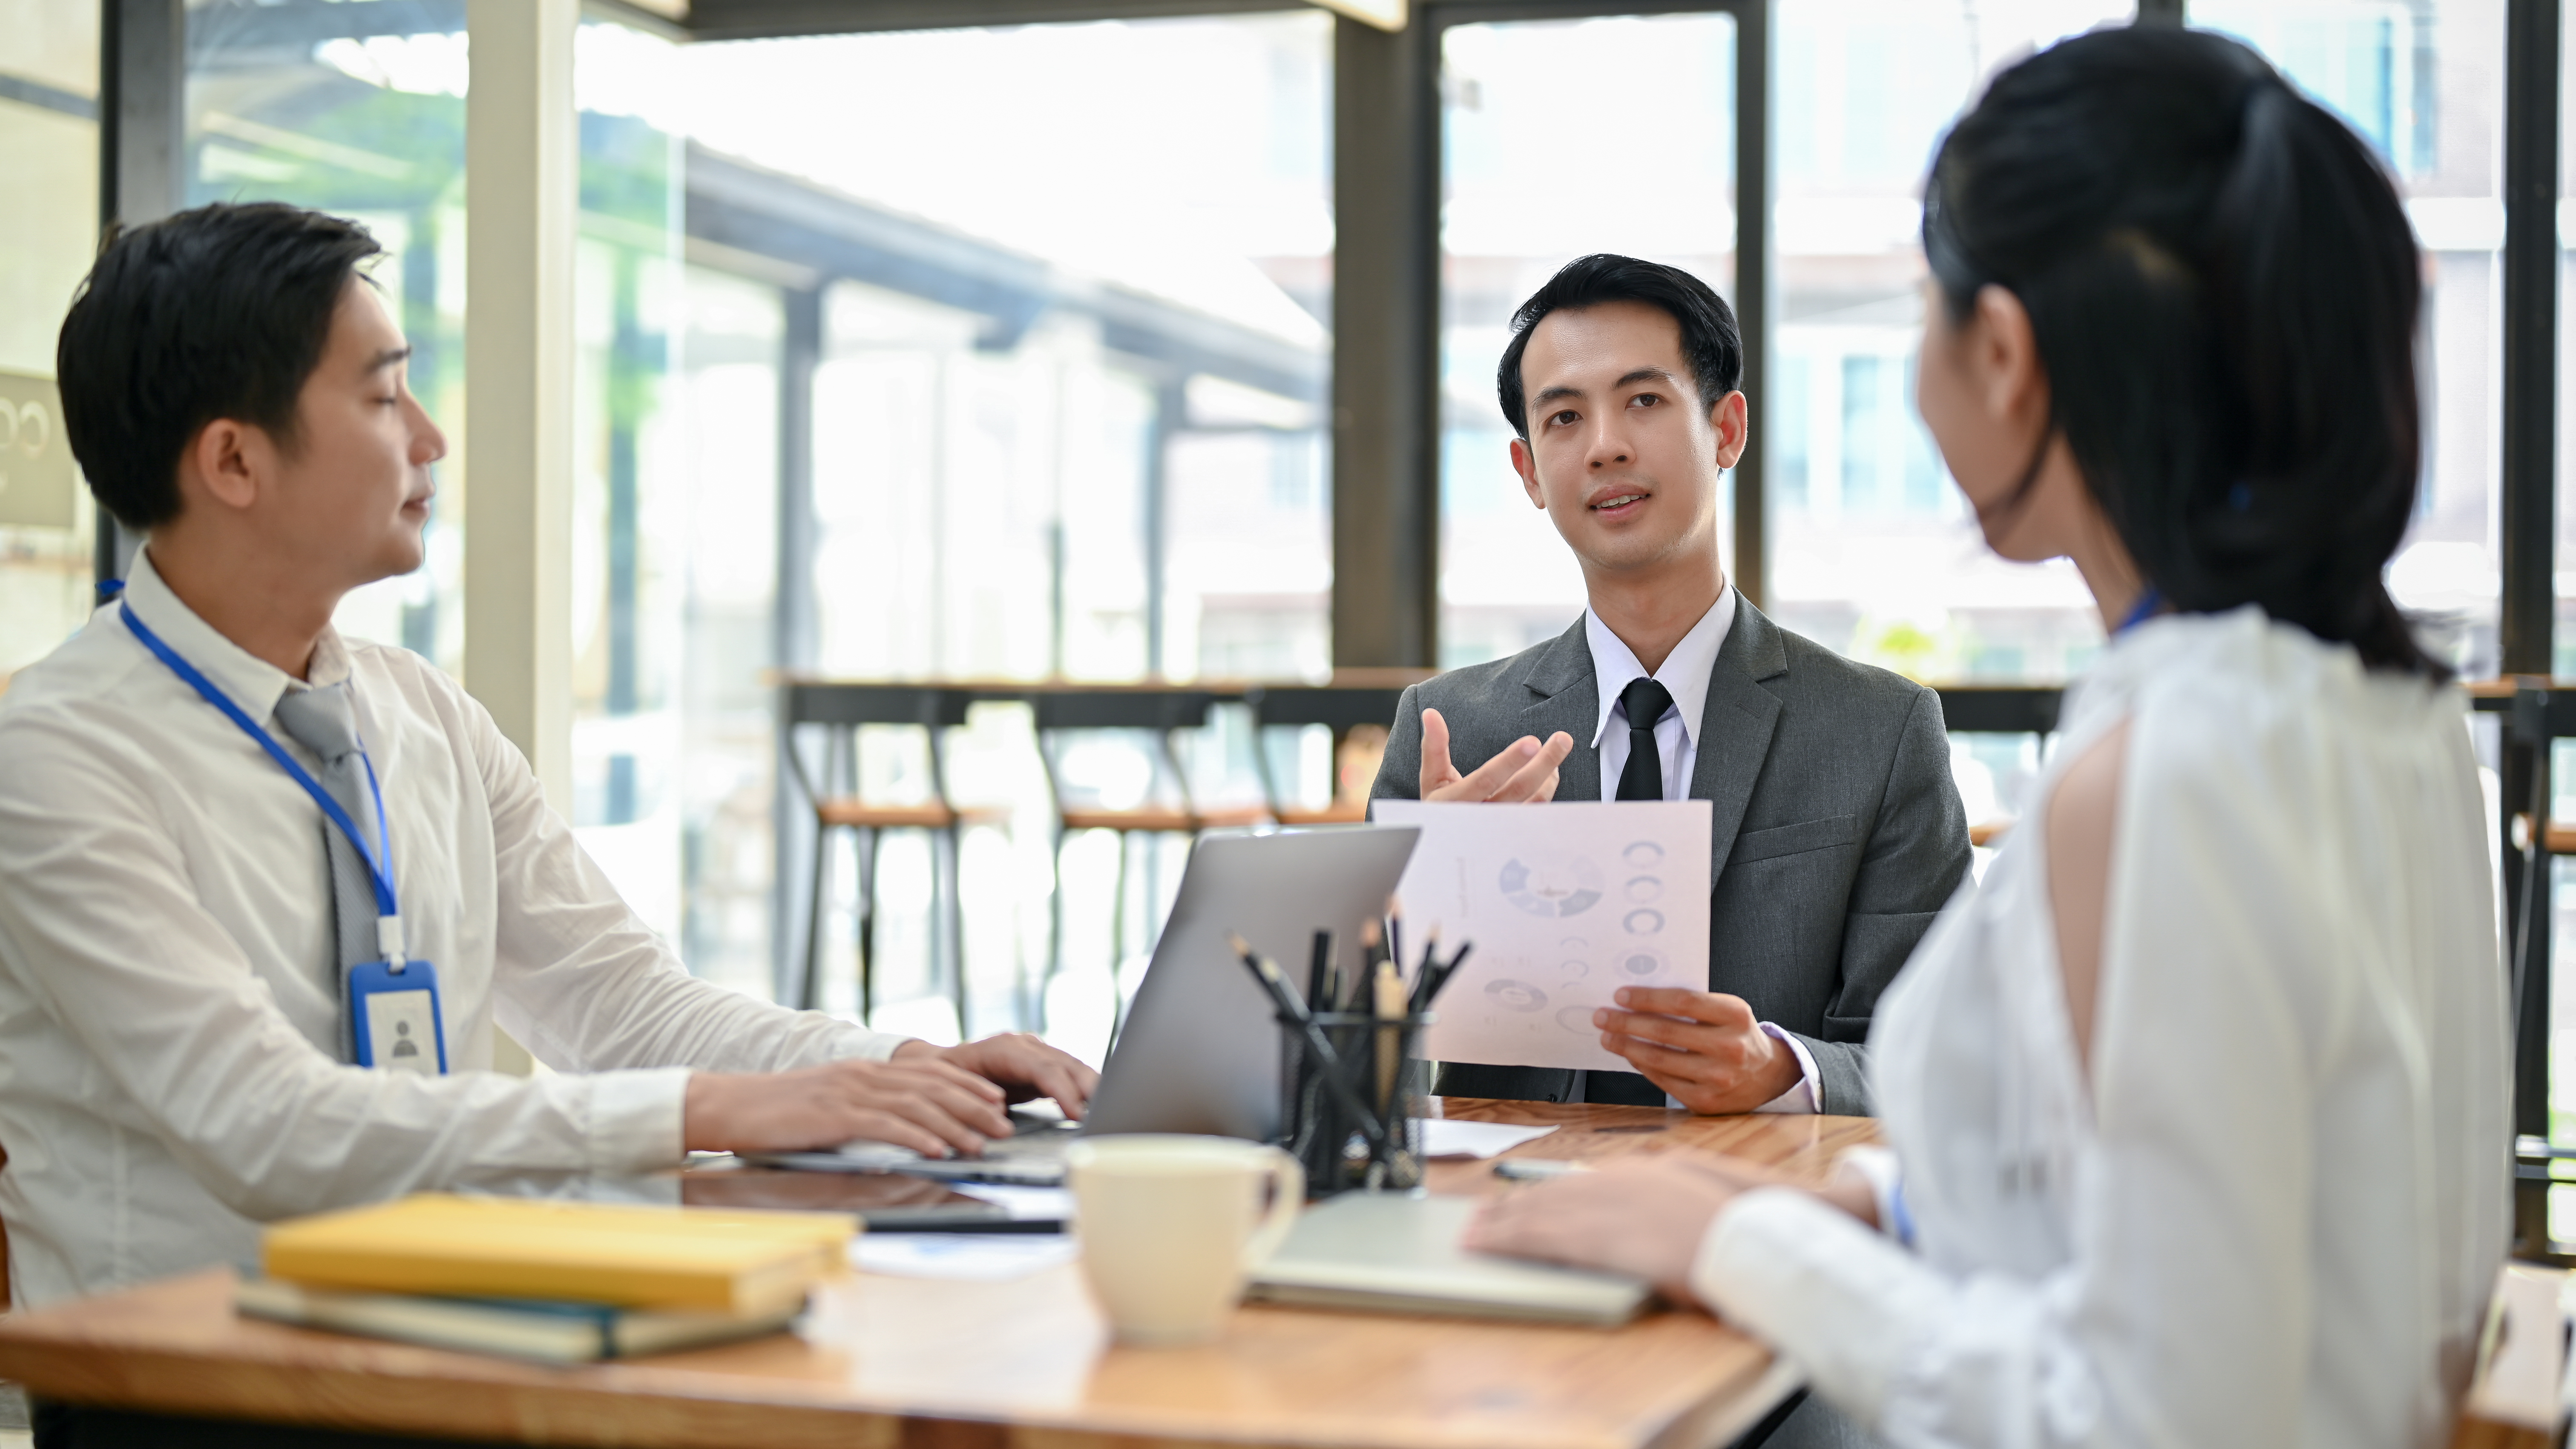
{"points": [[927, 1364]]}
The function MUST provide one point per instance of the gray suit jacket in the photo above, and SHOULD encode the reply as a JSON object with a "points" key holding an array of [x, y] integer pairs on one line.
{"points": [[1838, 833]]}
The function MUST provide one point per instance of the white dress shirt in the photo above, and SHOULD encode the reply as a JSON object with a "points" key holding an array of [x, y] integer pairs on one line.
{"points": [[169, 974], [2271, 1212], [1685, 674]]}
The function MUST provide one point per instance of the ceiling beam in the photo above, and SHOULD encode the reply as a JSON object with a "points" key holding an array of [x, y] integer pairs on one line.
{"points": [[761, 19]]}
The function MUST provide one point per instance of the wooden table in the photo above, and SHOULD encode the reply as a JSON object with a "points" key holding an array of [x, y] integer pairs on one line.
{"points": [[887, 1361]]}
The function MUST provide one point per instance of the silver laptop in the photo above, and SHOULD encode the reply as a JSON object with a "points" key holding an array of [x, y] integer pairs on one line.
{"points": [[1200, 1050]]}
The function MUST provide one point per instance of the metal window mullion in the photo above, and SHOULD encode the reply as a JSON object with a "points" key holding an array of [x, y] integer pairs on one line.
{"points": [[2527, 522], [142, 155], [1752, 564]]}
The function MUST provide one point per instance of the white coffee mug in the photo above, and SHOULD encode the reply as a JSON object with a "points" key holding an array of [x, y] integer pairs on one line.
{"points": [[1169, 1225]]}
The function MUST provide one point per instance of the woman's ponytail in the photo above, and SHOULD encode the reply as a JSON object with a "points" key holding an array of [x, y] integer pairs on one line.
{"points": [[2224, 290]]}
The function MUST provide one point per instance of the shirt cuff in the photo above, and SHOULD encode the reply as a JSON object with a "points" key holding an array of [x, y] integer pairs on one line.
{"points": [[859, 1044], [635, 1119], [1879, 1168], [1842, 1303], [1806, 1097]]}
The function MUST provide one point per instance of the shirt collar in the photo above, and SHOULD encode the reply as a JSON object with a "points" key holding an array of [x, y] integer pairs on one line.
{"points": [[245, 678], [1685, 673]]}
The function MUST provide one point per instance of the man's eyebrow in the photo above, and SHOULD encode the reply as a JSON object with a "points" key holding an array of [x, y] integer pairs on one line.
{"points": [[1551, 394], [1646, 374], [387, 358]]}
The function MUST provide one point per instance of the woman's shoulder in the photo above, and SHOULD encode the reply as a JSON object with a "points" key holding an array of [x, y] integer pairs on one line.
{"points": [[2243, 677], [2244, 712]]}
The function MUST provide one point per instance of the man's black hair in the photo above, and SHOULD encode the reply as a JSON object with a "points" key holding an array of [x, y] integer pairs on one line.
{"points": [[220, 312], [1711, 342]]}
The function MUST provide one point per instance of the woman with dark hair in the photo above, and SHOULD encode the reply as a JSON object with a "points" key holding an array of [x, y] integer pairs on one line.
{"points": [[2197, 1110]]}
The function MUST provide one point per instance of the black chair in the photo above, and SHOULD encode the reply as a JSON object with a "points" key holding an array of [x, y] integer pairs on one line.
{"points": [[1161, 713], [1343, 709], [833, 794]]}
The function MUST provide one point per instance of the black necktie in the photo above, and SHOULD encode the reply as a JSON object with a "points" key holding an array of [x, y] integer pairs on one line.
{"points": [[1643, 778]]}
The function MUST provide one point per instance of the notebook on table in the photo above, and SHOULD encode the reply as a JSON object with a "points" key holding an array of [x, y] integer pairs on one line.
{"points": [[1400, 1254]]}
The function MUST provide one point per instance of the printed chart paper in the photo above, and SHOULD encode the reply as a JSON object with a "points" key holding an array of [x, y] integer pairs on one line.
{"points": [[1565, 903]]}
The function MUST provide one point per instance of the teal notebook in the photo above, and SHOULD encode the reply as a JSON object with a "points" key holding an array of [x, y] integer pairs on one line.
{"points": [[513, 1328]]}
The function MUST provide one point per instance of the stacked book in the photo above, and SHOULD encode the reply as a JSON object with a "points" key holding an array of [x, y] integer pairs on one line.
{"points": [[554, 1281]]}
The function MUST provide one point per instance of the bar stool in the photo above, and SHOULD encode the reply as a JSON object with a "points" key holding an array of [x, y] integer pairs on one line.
{"points": [[1342, 708], [1162, 713], [837, 804]]}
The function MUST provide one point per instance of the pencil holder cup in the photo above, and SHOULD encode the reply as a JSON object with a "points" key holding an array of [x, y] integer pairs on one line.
{"points": [[1354, 1120]]}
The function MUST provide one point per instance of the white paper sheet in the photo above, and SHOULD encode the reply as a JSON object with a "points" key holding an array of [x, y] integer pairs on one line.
{"points": [[967, 1257], [1451, 1137], [1023, 1203], [1565, 903]]}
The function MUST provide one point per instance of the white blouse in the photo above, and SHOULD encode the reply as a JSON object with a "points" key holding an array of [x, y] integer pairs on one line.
{"points": [[2272, 1215]]}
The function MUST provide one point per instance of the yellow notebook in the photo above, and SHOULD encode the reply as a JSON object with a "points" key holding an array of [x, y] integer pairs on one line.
{"points": [[615, 1254]]}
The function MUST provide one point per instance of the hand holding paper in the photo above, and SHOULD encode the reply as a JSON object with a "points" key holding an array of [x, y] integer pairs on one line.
{"points": [[1705, 1049], [1566, 905]]}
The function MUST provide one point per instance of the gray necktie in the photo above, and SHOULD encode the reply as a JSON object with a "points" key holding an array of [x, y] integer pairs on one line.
{"points": [[325, 721]]}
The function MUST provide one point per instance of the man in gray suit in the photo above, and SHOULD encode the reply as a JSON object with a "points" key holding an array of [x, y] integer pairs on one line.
{"points": [[1838, 832]]}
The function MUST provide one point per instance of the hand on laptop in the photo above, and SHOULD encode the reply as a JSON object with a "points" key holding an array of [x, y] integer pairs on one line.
{"points": [[1524, 771], [1642, 1216], [1707, 1050], [920, 1101], [1024, 1065]]}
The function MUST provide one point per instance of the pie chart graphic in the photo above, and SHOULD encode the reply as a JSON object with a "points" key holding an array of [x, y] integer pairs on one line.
{"points": [[1577, 1019], [1544, 886], [1642, 963], [1515, 995]]}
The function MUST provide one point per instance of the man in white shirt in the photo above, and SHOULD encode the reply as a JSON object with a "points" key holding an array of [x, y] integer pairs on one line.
{"points": [[177, 1058], [1838, 832]]}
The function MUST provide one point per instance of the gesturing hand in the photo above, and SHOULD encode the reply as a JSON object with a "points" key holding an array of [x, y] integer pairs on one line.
{"points": [[1524, 771], [1706, 1049], [932, 1106]]}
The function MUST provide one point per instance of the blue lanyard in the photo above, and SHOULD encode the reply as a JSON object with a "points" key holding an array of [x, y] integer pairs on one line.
{"points": [[2139, 612], [389, 922]]}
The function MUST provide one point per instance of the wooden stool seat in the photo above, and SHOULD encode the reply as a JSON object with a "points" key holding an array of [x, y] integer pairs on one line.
{"points": [[833, 794], [1151, 818], [1233, 815], [867, 815], [928, 815], [1340, 812]]}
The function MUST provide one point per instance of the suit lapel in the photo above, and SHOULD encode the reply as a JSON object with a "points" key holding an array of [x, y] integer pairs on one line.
{"points": [[1562, 697], [1735, 726]]}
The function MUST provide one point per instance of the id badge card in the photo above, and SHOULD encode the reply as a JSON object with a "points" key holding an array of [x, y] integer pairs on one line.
{"points": [[394, 1018]]}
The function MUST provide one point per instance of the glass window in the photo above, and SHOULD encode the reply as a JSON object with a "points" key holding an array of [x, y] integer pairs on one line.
{"points": [[2423, 80], [1068, 423], [1872, 552], [726, 521], [48, 232], [1510, 219], [632, 534], [358, 110]]}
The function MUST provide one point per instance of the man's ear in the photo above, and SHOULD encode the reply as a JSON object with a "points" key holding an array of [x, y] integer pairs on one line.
{"points": [[224, 462], [1525, 463], [1731, 420]]}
